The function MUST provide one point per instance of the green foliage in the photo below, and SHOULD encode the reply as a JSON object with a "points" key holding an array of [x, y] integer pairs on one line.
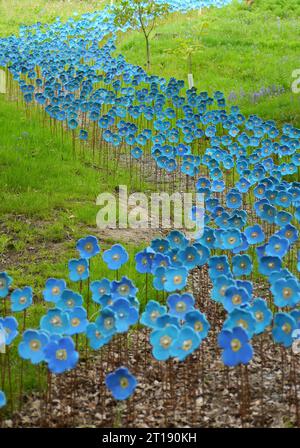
{"points": [[279, 8], [139, 14]]}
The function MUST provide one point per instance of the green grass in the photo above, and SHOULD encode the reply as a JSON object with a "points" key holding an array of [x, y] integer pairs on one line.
{"points": [[243, 50], [14, 13], [40, 174]]}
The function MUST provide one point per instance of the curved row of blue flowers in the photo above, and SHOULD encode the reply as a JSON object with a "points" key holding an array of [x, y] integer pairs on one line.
{"points": [[85, 86]]}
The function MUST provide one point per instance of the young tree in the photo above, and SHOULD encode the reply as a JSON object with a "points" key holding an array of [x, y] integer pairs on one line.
{"points": [[190, 44], [140, 14]]}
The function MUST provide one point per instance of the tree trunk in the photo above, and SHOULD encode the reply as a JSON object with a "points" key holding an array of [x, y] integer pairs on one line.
{"points": [[148, 51]]}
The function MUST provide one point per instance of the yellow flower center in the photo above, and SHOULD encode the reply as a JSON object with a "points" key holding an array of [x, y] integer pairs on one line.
{"points": [[222, 290], [61, 355], [235, 345], [56, 321], [259, 316], [88, 247], [242, 323], [198, 326], [124, 289], [108, 323], [70, 303], [22, 300], [177, 279], [180, 307], [35, 345], [80, 269], [165, 341], [124, 383], [154, 315], [287, 293], [75, 322], [187, 345], [286, 328], [236, 299]]}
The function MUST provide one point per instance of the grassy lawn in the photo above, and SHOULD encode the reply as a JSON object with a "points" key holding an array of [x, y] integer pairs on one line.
{"points": [[14, 13], [243, 51]]}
